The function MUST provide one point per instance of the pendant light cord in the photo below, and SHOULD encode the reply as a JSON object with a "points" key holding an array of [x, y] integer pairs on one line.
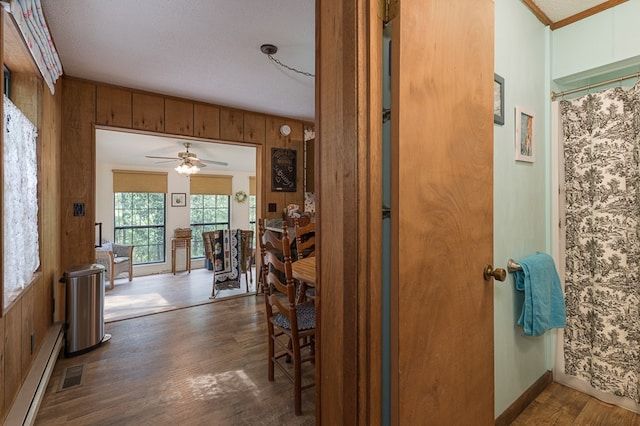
{"points": [[270, 49], [308, 74]]}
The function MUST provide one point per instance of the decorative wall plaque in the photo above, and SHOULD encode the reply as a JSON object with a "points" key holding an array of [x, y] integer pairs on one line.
{"points": [[283, 170]]}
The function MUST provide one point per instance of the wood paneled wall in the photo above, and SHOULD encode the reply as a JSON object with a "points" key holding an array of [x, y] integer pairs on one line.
{"points": [[89, 104], [27, 320]]}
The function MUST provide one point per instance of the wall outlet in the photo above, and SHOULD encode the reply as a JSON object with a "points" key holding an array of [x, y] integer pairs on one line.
{"points": [[273, 208]]}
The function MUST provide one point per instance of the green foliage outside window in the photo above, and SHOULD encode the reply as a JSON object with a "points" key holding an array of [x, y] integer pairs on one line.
{"points": [[252, 213], [208, 213], [139, 219]]}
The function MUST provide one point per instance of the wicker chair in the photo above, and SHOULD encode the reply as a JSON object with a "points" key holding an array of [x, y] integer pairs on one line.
{"points": [[117, 259]]}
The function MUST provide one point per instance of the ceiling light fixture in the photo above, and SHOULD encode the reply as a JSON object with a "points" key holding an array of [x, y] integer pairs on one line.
{"points": [[270, 50], [187, 168]]}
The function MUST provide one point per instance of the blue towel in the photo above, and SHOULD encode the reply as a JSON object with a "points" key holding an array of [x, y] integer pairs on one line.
{"points": [[543, 307]]}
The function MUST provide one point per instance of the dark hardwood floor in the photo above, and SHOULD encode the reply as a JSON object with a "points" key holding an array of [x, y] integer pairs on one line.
{"points": [[207, 365], [200, 365]]}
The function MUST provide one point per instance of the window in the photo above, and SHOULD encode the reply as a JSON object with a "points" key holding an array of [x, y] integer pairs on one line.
{"points": [[139, 219], [252, 204], [208, 213], [7, 81], [21, 252], [252, 213]]}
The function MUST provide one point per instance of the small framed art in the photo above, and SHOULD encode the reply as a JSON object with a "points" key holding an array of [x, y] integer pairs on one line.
{"points": [[178, 199], [498, 99], [525, 138]]}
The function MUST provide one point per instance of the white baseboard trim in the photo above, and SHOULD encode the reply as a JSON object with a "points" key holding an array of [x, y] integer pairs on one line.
{"points": [[25, 407]]}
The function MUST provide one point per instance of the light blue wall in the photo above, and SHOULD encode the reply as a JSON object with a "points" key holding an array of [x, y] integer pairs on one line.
{"points": [[521, 206], [601, 44], [533, 60]]}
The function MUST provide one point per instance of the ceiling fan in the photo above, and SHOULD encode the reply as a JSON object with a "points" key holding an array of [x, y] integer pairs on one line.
{"points": [[189, 159]]}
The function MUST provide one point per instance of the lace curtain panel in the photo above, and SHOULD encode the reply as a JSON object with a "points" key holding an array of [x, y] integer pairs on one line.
{"points": [[20, 252]]}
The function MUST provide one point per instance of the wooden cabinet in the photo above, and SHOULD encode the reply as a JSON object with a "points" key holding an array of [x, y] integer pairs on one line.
{"points": [[254, 128], [231, 125], [206, 121], [178, 117], [148, 112], [113, 106]]}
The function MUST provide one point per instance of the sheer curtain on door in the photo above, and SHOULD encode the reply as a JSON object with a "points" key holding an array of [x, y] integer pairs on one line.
{"points": [[600, 349]]}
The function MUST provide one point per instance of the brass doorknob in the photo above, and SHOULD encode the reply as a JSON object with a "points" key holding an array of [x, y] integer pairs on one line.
{"points": [[498, 273]]}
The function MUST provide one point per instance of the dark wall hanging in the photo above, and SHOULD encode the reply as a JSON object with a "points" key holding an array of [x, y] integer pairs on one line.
{"points": [[283, 170]]}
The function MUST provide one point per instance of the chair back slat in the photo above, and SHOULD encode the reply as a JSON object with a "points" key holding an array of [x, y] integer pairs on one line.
{"points": [[207, 242], [305, 239]]}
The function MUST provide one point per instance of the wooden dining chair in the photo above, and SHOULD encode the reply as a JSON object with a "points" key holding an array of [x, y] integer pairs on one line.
{"points": [[305, 239], [208, 246], [291, 326], [305, 247], [247, 255]]}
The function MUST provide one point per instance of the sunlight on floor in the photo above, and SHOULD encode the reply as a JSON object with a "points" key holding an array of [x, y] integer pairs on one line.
{"points": [[152, 294], [211, 386], [149, 301]]}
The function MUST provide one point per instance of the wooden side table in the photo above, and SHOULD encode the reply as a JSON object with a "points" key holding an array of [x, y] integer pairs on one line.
{"points": [[180, 243]]}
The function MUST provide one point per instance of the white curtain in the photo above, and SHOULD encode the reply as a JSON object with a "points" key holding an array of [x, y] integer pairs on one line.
{"points": [[20, 251]]}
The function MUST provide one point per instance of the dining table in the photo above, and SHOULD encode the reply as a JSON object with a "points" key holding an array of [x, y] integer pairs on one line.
{"points": [[305, 270]]}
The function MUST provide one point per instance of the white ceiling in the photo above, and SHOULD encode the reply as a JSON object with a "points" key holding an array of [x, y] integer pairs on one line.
{"points": [[206, 50], [557, 10], [130, 149]]}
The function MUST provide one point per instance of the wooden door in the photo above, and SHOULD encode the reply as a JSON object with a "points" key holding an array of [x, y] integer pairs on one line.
{"points": [[442, 213]]}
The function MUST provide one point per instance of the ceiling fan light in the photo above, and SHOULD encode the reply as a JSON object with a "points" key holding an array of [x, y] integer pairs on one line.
{"points": [[187, 169]]}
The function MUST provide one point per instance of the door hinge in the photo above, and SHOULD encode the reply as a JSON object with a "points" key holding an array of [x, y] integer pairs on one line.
{"points": [[386, 211], [388, 9]]}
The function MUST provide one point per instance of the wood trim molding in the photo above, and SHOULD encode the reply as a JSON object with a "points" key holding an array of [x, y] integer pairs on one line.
{"points": [[519, 405], [25, 407], [585, 14], [537, 12], [571, 19]]}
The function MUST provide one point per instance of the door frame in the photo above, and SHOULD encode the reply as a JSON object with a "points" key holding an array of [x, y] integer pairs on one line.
{"points": [[348, 175]]}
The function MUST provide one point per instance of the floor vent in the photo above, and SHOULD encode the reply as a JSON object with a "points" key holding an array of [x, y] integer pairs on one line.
{"points": [[73, 377]]}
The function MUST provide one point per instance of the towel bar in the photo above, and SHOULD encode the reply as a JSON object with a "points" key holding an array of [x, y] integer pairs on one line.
{"points": [[513, 266]]}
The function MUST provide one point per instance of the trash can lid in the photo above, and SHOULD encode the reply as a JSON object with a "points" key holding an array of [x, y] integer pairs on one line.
{"points": [[83, 270]]}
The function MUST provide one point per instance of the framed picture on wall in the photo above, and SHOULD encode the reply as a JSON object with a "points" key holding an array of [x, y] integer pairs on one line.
{"points": [[525, 137], [498, 99], [178, 199]]}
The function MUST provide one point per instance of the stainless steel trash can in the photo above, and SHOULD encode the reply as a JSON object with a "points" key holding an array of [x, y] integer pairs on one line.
{"points": [[84, 328]]}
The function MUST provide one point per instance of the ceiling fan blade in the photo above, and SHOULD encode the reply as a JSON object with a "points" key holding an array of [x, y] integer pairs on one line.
{"points": [[218, 163], [162, 158]]}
